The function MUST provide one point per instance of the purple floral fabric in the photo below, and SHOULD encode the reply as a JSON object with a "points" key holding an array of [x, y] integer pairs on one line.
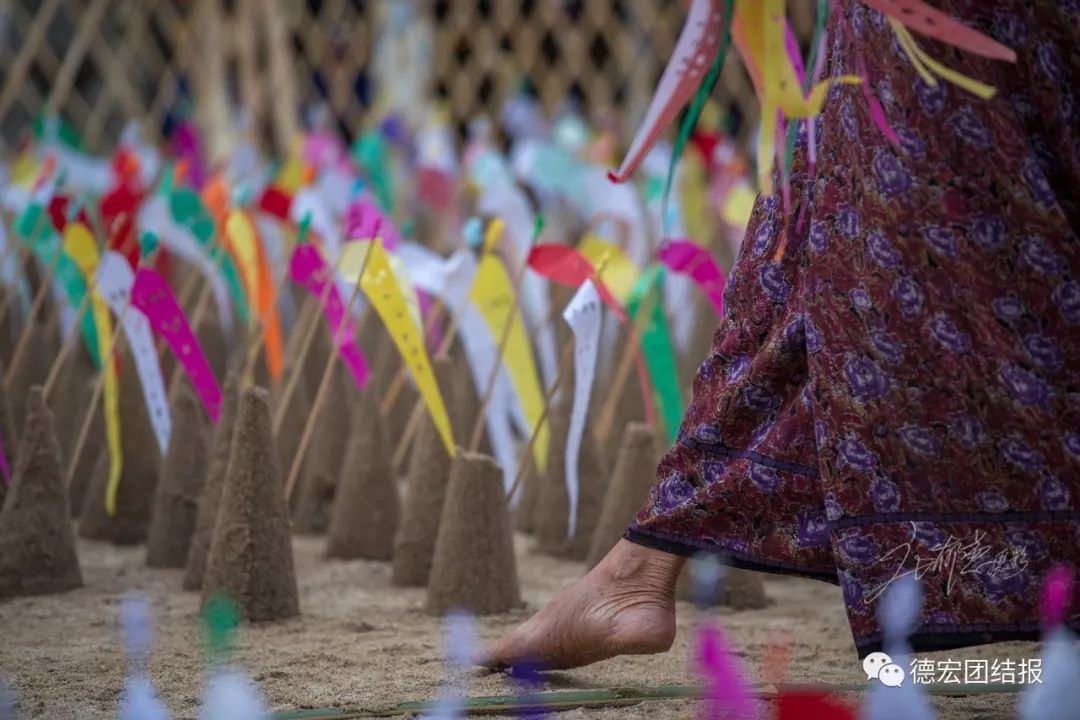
{"points": [[899, 391]]}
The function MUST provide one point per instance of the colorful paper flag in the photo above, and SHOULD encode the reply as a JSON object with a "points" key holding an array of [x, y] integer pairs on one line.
{"points": [[583, 315]]}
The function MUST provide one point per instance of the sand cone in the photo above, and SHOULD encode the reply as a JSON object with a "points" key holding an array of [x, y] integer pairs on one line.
{"points": [[211, 338], [329, 441], [425, 490], [37, 547], [366, 508], [32, 370], [182, 475], [251, 555], [7, 435], [737, 589], [474, 567], [634, 474], [93, 449], [141, 463], [210, 498]]}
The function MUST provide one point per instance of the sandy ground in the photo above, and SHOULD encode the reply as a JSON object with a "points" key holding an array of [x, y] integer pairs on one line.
{"points": [[361, 641]]}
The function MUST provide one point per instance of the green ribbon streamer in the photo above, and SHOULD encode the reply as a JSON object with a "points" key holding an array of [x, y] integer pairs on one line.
{"points": [[188, 210], [220, 618], [35, 228], [372, 156], [690, 120], [656, 347]]}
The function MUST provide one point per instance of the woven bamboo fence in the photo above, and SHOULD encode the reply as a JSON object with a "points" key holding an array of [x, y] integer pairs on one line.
{"points": [[284, 64]]}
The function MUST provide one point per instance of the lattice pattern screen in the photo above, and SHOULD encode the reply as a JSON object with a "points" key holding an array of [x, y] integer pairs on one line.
{"points": [[101, 63]]}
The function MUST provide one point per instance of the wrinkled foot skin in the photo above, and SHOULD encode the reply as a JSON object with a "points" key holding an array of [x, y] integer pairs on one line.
{"points": [[623, 606]]}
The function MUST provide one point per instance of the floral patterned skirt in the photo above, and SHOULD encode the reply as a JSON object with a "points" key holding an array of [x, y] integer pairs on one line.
{"points": [[898, 389]]}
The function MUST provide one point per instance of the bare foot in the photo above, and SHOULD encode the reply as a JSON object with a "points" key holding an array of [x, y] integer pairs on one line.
{"points": [[623, 606]]}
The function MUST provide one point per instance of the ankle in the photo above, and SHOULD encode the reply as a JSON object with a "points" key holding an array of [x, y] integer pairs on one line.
{"points": [[642, 567]]}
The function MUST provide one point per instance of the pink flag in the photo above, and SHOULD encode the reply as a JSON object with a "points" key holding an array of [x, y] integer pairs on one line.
{"points": [[308, 268], [687, 258], [153, 296]]}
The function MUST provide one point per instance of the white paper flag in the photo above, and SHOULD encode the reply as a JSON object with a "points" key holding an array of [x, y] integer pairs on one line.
{"points": [[115, 279], [154, 216], [582, 314]]}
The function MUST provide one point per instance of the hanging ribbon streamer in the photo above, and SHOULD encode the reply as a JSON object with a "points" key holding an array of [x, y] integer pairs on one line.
{"points": [[700, 39], [931, 22], [188, 211], [34, 227], [380, 285], [154, 217], [656, 347], [80, 246], [115, 279], [308, 204], [493, 295], [582, 314], [248, 253], [690, 259], [927, 66], [308, 268], [153, 297]]}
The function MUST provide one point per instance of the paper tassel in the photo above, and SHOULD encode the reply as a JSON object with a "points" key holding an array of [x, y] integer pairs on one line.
{"points": [[380, 285], [894, 695], [620, 274], [153, 297], [309, 269], [247, 251], [582, 314], [657, 349], [931, 22], [115, 279], [188, 211], [927, 66], [720, 669], [1057, 693], [493, 297], [34, 227], [138, 700], [698, 43], [154, 217], [460, 645], [690, 259], [79, 245]]}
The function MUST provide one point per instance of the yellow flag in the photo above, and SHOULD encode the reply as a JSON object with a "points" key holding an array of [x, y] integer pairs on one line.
{"points": [[620, 275], [493, 296], [381, 287], [80, 246], [352, 259], [240, 235]]}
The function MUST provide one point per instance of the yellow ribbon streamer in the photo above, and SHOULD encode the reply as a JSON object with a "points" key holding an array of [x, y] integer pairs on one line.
{"points": [[240, 235], [493, 296], [927, 66], [620, 274], [380, 285], [80, 246]]}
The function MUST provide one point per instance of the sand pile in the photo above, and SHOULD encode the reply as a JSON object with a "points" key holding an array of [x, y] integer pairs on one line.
{"points": [[425, 488], [474, 567], [37, 546], [251, 552], [210, 498], [366, 509], [326, 451], [183, 473]]}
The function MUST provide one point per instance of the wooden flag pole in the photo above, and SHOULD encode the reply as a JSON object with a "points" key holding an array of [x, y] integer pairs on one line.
{"points": [[324, 381]]}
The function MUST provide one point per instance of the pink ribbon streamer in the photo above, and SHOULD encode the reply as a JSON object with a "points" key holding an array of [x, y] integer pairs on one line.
{"points": [[687, 258], [364, 221], [308, 268], [153, 296]]}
